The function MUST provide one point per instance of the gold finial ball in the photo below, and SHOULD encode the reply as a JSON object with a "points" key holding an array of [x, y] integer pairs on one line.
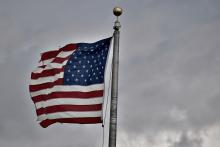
{"points": [[117, 11]]}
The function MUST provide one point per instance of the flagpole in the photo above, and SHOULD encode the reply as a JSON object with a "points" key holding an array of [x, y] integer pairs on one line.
{"points": [[114, 86]]}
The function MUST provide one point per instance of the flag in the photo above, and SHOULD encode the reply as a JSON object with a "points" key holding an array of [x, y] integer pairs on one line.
{"points": [[68, 85]]}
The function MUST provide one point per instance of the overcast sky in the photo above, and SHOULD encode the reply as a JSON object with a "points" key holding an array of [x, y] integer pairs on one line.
{"points": [[169, 87]]}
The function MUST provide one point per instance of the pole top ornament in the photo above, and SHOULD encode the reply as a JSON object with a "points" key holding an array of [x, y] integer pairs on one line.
{"points": [[117, 11]]}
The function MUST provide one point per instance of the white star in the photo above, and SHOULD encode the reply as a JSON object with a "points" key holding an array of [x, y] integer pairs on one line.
{"points": [[67, 79], [70, 61], [68, 70], [78, 70], [97, 78], [72, 75], [87, 70], [84, 57], [84, 66], [76, 79], [82, 75], [80, 61], [74, 66]]}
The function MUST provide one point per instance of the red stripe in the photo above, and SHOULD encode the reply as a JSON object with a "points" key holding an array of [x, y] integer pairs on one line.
{"points": [[49, 55], [38, 87], [46, 73], [41, 111], [54, 53], [60, 60], [85, 120], [54, 95], [63, 108], [77, 94], [69, 47]]}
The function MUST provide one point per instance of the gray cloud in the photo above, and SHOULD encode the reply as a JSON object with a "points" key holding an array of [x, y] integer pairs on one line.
{"points": [[186, 141]]}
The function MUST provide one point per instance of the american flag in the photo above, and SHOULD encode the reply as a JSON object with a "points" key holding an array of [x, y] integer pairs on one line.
{"points": [[68, 85]]}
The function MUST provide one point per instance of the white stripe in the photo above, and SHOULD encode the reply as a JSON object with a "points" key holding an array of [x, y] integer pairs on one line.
{"points": [[68, 101], [45, 62], [70, 114], [41, 117], [56, 65], [46, 79], [64, 54], [71, 88], [38, 70]]}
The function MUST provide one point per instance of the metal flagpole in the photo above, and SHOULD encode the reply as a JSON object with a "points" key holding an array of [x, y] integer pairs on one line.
{"points": [[114, 87]]}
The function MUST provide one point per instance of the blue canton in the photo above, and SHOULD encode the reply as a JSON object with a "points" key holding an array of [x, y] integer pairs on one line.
{"points": [[86, 65]]}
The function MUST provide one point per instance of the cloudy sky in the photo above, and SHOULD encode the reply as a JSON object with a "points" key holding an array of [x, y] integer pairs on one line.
{"points": [[169, 87]]}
